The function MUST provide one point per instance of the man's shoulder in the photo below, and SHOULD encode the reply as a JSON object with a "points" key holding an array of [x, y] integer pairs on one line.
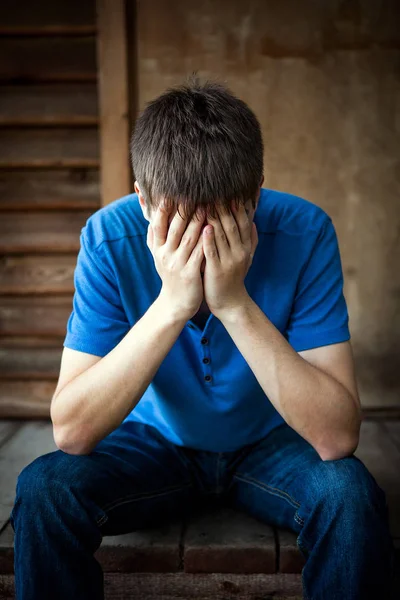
{"points": [[120, 219], [287, 213]]}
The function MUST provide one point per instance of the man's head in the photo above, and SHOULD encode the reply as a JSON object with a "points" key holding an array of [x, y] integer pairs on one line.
{"points": [[197, 145]]}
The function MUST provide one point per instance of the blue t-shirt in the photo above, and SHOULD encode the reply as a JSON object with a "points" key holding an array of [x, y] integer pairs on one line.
{"points": [[216, 404]]}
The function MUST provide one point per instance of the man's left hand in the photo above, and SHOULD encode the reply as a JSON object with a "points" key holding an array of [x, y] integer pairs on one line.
{"points": [[229, 251]]}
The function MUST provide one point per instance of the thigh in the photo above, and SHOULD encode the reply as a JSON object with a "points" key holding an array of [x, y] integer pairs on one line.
{"points": [[266, 482], [282, 478], [133, 478]]}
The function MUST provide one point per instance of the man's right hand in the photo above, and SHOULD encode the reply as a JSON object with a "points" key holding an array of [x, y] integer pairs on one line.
{"points": [[178, 254]]}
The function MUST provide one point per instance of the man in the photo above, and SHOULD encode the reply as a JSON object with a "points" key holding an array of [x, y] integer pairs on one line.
{"points": [[207, 359]]}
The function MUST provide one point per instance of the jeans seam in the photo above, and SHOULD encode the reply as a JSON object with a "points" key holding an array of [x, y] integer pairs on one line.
{"points": [[140, 496], [267, 488], [297, 518]]}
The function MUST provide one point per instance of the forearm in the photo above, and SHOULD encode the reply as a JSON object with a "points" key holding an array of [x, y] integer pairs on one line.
{"points": [[312, 402], [97, 401]]}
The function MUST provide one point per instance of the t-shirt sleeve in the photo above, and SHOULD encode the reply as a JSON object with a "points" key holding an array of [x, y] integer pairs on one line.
{"points": [[98, 321], [319, 315]]}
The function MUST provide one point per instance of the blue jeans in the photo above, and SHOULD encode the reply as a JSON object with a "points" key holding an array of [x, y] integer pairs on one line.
{"points": [[135, 478]]}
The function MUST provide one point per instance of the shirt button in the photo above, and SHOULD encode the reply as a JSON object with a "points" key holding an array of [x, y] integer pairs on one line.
{"points": [[207, 377], [204, 340], [206, 360], [191, 326]]}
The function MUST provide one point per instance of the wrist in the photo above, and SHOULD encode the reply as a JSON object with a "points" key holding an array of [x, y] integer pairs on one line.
{"points": [[170, 311], [236, 310]]}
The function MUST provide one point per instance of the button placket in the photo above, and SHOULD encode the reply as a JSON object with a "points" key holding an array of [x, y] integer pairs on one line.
{"points": [[206, 359]]}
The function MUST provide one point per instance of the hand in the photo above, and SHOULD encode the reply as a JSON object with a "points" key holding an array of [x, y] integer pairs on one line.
{"points": [[229, 249], [178, 253]]}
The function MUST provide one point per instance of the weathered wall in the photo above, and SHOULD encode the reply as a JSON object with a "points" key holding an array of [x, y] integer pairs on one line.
{"points": [[324, 82]]}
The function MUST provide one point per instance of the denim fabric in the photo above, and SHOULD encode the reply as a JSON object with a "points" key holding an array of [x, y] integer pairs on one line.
{"points": [[136, 478]]}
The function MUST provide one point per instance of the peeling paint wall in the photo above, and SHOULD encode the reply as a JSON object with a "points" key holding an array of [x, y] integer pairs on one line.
{"points": [[324, 81]]}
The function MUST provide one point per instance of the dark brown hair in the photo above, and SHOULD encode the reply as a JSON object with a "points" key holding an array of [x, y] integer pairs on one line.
{"points": [[197, 145]]}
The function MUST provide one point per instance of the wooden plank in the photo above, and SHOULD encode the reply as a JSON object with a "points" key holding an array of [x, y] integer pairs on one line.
{"points": [[291, 560], [381, 413], [30, 363], [34, 316], [37, 274], [224, 540], [381, 457], [48, 30], [29, 442], [52, 104], [7, 430], [55, 189], [154, 549], [24, 341], [51, 148], [393, 429], [113, 99], [47, 13], [26, 399], [7, 550], [25, 59], [45, 231]]}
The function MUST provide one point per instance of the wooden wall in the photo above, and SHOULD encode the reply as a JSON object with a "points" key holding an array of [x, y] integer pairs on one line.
{"points": [[49, 185]]}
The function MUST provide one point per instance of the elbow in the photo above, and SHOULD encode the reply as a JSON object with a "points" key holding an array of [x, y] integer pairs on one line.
{"points": [[76, 445], [338, 452], [346, 446]]}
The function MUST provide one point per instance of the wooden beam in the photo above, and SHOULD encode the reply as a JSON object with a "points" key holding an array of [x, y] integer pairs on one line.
{"points": [[49, 148], [381, 412], [29, 363], [41, 231], [37, 274], [42, 317], [48, 15], [49, 30], [60, 104], [52, 59], [56, 189], [26, 399], [113, 99]]}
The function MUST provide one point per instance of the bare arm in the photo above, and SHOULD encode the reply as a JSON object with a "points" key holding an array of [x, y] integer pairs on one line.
{"points": [[315, 391], [95, 402], [101, 392]]}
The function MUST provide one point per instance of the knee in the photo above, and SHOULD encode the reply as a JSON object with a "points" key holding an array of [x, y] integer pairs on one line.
{"points": [[348, 484], [42, 475]]}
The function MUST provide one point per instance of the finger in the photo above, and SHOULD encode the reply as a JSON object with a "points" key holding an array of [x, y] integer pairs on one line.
{"points": [[190, 238], [177, 229], [219, 238], [160, 225], [254, 240], [210, 248], [197, 255], [230, 227], [243, 223]]}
